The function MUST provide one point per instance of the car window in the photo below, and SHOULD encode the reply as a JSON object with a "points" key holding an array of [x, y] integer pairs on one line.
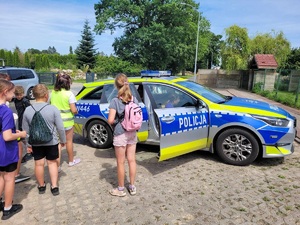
{"points": [[204, 91], [95, 94], [111, 92], [166, 96], [20, 74]]}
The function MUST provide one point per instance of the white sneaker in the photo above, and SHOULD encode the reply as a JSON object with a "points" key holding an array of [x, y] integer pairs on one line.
{"points": [[75, 162], [132, 189], [117, 192]]}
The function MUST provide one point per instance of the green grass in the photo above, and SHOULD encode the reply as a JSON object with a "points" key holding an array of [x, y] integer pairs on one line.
{"points": [[283, 97]]}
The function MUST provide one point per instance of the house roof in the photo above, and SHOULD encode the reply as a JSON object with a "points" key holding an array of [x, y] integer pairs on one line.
{"points": [[265, 61]]}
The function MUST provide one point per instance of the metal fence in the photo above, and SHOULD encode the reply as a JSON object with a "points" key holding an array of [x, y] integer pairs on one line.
{"points": [[47, 78], [285, 85], [288, 82]]}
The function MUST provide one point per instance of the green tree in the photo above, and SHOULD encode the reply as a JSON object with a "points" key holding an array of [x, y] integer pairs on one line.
{"points": [[9, 60], [2, 54], [33, 51], [213, 56], [113, 64], [85, 52], [27, 60], [71, 50], [163, 32], [38, 62], [272, 43], [16, 60], [18, 57], [45, 62], [293, 60], [236, 49]]}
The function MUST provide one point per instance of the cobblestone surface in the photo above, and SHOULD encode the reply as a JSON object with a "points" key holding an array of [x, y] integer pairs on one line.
{"points": [[192, 189]]}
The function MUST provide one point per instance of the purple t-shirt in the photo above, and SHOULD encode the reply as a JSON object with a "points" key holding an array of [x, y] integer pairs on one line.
{"points": [[9, 152]]}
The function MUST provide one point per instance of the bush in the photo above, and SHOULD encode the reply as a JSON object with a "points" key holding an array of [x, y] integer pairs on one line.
{"points": [[257, 88]]}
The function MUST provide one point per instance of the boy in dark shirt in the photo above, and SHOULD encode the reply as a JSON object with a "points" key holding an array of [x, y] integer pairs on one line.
{"points": [[21, 102]]}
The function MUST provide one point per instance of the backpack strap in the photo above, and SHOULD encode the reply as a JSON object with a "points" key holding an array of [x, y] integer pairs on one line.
{"points": [[40, 108], [33, 108], [43, 107]]}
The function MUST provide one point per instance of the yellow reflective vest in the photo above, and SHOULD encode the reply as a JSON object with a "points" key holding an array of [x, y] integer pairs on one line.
{"points": [[60, 99]]}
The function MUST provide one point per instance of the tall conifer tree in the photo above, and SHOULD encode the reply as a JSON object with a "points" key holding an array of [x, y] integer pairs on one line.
{"points": [[85, 52]]}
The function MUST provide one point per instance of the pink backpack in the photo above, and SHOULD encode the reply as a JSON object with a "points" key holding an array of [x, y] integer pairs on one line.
{"points": [[133, 116]]}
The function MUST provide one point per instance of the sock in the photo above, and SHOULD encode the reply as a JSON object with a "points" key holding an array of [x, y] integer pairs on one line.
{"points": [[121, 188], [7, 208]]}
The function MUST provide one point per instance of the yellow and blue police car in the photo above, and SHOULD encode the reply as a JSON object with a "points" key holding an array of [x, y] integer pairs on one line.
{"points": [[237, 129]]}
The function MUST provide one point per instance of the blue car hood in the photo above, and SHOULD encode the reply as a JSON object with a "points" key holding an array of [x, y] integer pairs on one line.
{"points": [[255, 104]]}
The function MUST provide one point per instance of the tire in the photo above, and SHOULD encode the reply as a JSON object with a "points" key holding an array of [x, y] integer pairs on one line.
{"points": [[237, 147], [99, 134], [30, 94]]}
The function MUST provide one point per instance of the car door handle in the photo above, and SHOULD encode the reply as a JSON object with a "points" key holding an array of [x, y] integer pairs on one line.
{"points": [[168, 119]]}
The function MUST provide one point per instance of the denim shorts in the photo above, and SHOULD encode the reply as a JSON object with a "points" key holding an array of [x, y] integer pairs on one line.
{"points": [[128, 138]]}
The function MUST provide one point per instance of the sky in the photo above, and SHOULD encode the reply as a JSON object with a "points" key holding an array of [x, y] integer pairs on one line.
{"points": [[59, 23]]}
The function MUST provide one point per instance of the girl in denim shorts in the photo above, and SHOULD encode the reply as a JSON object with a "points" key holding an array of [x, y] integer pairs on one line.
{"points": [[124, 141]]}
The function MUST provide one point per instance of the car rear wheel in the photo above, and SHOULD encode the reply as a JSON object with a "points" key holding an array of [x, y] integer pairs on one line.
{"points": [[99, 134], [30, 94], [237, 147]]}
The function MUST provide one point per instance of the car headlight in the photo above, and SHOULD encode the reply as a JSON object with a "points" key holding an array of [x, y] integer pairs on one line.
{"points": [[277, 122]]}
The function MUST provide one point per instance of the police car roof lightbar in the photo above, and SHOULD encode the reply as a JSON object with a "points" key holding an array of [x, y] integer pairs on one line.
{"points": [[155, 73]]}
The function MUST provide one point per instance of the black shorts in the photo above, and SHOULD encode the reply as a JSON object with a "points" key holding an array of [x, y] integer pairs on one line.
{"points": [[9, 168], [40, 152]]}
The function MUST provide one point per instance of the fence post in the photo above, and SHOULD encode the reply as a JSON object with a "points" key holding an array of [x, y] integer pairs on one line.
{"points": [[297, 93], [277, 86], [89, 77]]}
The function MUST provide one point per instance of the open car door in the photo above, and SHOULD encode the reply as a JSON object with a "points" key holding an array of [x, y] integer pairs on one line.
{"points": [[183, 124]]}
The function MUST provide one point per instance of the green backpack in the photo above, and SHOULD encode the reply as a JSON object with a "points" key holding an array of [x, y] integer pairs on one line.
{"points": [[39, 131]]}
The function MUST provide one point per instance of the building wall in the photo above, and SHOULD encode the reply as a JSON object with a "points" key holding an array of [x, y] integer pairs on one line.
{"points": [[266, 77], [244, 79]]}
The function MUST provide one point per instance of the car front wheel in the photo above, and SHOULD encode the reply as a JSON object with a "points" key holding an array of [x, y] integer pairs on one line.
{"points": [[30, 94], [99, 134], [237, 147]]}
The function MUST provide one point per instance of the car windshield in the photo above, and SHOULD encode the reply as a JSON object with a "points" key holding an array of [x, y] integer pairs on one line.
{"points": [[206, 92]]}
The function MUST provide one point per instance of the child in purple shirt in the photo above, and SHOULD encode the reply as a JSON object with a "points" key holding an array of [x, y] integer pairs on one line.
{"points": [[9, 153]]}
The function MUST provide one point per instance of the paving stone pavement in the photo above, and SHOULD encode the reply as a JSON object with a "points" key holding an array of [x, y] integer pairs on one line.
{"points": [[195, 188]]}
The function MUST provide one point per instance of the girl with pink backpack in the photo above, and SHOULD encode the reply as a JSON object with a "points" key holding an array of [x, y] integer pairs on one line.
{"points": [[124, 141]]}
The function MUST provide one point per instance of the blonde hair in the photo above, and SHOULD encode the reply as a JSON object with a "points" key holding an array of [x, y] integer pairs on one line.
{"points": [[19, 90], [121, 83], [40, 91], [5, 85], [4, 76]]}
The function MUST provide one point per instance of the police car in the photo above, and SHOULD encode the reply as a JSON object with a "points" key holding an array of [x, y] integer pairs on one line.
{"points": [[237, 129]]}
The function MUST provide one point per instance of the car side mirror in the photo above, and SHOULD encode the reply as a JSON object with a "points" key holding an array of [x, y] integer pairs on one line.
{"points": [[199, 104]]}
